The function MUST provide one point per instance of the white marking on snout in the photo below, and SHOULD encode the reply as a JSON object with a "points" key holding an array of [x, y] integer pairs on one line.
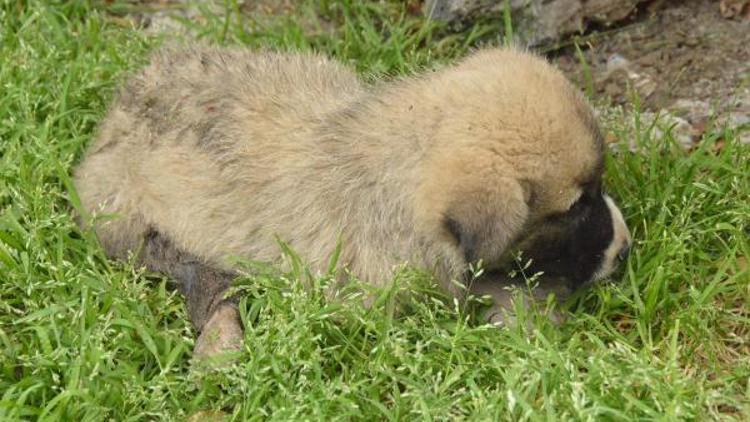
{"points": [[620, 239]]}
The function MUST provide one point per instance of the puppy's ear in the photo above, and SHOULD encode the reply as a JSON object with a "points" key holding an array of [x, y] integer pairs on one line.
{"points": [[485, 220]]}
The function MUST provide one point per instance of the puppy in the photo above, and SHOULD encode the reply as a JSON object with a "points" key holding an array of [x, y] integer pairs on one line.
{"points": [[211, 153]]}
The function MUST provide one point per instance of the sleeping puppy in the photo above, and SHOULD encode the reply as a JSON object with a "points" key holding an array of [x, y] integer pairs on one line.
{"points": [[211, 153]]}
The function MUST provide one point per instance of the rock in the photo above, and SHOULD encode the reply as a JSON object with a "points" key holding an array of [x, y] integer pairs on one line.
{"points": [[617, 61], [536, 21], [664, 123], [695, 111], [620, 73], [452, 10], [733, 114], [737, 116], [736, 119]]}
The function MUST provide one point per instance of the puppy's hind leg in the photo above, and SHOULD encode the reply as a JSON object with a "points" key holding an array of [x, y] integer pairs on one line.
{"points": [[204, 286]]}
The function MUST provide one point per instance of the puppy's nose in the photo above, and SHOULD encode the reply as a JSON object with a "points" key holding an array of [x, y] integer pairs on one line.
{"points": [[624, 252]]}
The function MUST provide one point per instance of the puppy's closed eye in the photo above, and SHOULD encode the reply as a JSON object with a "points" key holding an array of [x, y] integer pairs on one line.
{"points": [[578, 202], [575, 208], [585, 198]]}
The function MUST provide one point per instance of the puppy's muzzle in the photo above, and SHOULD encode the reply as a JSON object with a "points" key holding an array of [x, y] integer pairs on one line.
{"points": [[619, 250]]}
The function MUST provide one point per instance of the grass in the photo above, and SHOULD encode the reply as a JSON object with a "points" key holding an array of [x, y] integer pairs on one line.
{"points": [[85, 338]]}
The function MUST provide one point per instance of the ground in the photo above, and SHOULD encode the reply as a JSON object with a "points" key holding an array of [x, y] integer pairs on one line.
{"points": [[681, 58], [83, 337], [687, 61]]}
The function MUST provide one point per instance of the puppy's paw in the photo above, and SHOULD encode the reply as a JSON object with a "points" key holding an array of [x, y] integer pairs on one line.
{"points": [[221, 336]]}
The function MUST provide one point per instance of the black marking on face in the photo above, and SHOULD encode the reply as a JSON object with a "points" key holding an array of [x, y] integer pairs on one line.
{"points": [[571, 245]]}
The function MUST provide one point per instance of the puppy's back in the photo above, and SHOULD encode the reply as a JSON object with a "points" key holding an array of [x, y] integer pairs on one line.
{"points": [[195, 139]]}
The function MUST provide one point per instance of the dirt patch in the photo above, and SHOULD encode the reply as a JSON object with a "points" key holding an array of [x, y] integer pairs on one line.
{"points": [[688, 60]]}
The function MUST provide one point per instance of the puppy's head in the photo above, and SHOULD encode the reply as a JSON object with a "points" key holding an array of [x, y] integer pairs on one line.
{"points": [[516, 166]]}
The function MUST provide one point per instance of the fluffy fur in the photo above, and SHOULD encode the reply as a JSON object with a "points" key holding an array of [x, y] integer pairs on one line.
{"points": [[218, 152]]}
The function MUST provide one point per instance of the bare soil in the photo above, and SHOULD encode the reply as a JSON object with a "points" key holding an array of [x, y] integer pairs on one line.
{"points": [[685, 59], [688, 61]]}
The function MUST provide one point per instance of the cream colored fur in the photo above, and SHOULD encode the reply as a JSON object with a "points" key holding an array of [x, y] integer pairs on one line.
{"points": [[223, 150]]}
